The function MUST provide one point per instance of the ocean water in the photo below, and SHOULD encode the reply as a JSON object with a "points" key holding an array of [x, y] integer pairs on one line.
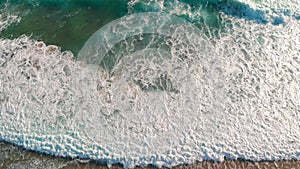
{"points": [[151, 82]]}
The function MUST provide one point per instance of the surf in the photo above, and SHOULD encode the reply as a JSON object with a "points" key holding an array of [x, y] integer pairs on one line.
{"points": [[161, 98]]}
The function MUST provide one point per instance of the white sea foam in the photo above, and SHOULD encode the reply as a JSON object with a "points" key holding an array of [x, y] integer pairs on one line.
{"points": [[235, 96], [7, 19], [11, 13]]}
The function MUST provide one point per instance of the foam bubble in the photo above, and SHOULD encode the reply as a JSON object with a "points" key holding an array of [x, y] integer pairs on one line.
{"points": [[154, 94]]}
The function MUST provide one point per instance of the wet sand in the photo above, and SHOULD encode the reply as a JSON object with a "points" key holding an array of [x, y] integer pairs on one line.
{"points": [[12, 156]]}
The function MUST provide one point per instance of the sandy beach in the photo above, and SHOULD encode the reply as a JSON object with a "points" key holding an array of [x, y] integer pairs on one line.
{"points": [[15, 157]]}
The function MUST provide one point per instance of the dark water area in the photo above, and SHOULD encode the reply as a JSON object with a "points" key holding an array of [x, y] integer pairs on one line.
{"points": [[69, 23], [63, 23]]}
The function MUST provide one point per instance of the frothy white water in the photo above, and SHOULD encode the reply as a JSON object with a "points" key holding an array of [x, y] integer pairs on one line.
{"points": [[5, 21], [9, 16], [237, 98]]}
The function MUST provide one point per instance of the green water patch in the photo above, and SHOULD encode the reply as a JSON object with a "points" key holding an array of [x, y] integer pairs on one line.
{"points": [[67, 24]]}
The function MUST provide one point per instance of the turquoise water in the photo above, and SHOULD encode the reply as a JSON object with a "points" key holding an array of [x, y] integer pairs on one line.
{"points": [[64, 23], [69, 24], [179, 81]]}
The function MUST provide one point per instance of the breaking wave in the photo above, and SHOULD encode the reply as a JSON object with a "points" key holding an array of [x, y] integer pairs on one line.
{"points": [[152, 88]]}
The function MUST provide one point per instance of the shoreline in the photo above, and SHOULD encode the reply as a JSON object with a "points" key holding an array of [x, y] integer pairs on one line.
{"points": [[13, 156]]}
